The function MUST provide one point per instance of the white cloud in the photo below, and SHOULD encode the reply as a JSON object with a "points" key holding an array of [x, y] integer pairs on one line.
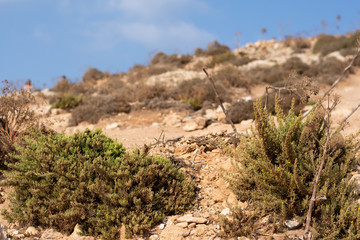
{"points": [[158, 24], [183, 35], [168, 36], [154, 9], [43, 36]]}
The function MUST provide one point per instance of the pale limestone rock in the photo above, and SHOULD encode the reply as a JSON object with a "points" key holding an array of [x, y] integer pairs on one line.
{"points": [[211, 114], [51, 234], [162, 226], [192, 124], [112, 126], [31, 231], [292, 224], [191, 219], [174, 232], [226, 211], [182, 224], [172, 120]]}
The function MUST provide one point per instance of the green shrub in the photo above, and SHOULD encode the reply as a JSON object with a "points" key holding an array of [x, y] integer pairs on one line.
{"points": [[67, 101], [326, 44], [275, 168], [89, 179], [221, 58]]}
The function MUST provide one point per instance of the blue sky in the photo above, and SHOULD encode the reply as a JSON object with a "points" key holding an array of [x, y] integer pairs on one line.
{"points": [[42, 40]]}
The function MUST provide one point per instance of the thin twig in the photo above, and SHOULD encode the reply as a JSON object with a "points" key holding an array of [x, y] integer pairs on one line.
{"points": [[335, 83], [222, 106], [195, 154], [275, 88]]}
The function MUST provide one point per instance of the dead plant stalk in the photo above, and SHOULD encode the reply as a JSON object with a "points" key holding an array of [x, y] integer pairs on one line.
{"points": [[222, 107]]}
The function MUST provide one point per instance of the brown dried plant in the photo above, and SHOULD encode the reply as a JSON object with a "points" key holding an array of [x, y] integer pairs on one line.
{"points": [[15, 115]]}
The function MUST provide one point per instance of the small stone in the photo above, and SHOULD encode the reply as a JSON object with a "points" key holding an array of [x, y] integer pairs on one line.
{"points": [[15, 232], [51, 234], [112, 126], [19, 236], [226, 211], [31, 231], [217, 227], [191, 219], [194, 124], [154, 237], [162, 226], [293, 224], [182, 224], [174, 232], [192, 225]]}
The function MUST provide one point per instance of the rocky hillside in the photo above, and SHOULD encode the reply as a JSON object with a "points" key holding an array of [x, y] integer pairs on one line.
{"points": [[168, 108]]}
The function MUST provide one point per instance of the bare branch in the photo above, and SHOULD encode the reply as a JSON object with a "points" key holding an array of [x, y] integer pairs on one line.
{"points": [[275, 88], [222, 106], [336, 82]]}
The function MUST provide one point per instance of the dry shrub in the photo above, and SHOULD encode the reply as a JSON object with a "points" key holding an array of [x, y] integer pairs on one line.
{"points": [[241, 110], [241, 60], [157, 70], [15, 115], [146, 92], [327, 70], [213, 48], [63, 85], [326, 44], [93, 74], [221, 58], [196, 91], [230, 76], [96, 107], [174, 60], [297, 43], [296, 65]]}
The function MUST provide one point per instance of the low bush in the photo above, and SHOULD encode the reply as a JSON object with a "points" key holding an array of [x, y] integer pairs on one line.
{"points": [[174, 60], [297, 43], [96, 107], [327, 70], [93, 74], [276, 164], [213, 48], [221, 58], [197, 91], [326, 44], [89, 179], [230, 76], [241, 110], [67, 101]]}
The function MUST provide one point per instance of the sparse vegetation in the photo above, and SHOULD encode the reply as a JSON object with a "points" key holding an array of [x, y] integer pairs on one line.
{"points": [[15, 115], [96, 107], [89, 179], [275, 168], [93, 74], [67, 101]]}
